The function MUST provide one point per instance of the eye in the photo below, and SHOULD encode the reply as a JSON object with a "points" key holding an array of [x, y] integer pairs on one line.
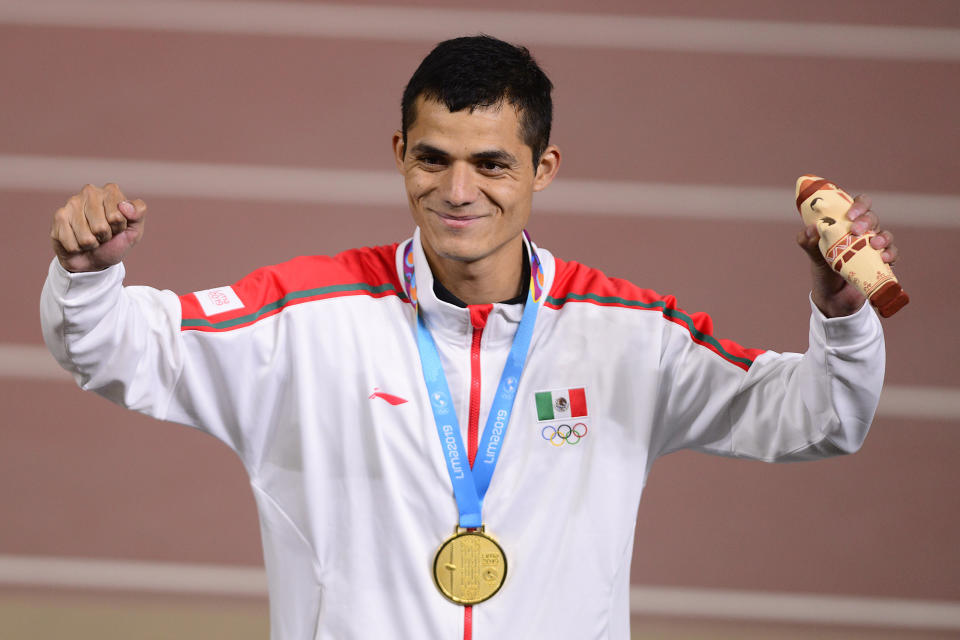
{"points": [[489, 166], [432, 162]]}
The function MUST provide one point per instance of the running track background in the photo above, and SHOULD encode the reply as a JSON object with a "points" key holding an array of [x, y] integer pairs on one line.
{"points": [[681, 148]]}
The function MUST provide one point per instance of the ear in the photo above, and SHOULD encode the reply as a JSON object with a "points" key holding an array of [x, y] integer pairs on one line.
{"points": [[398, 149], [547, 168]]}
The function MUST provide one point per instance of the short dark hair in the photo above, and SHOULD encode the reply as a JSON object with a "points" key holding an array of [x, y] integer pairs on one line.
{"points": [[481, 71]]}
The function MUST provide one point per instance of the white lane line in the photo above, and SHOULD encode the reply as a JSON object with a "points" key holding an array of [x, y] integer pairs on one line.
{"points": [[795, 608], [30, 362], [919, 403], [432, 24], [34, 362], [143, 178], [733, 203], [140, 178], [221, 580], [161, 577]]}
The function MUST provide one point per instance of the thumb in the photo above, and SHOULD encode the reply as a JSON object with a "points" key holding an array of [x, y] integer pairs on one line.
{"points": [[134, 210], [809, 240]]}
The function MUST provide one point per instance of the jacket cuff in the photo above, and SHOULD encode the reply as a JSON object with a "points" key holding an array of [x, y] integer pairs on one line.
{"points": [[81, 287], [860, 326]]}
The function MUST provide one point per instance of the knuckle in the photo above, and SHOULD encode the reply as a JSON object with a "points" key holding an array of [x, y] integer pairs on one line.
{"points": [[113, 190], [87, 241], [100, 228]]}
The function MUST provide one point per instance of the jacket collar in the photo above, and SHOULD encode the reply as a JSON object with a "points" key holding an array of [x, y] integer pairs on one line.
{"points": [[450, 322]]}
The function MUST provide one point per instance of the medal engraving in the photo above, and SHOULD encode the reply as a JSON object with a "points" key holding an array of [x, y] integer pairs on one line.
{"points": [[469, 567]]}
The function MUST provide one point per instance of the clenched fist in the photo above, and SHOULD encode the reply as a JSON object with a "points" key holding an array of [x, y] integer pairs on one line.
{"points": [[96, 228]]}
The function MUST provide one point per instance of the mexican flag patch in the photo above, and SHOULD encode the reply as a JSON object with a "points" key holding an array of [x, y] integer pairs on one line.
{"points": [[561, 404]]}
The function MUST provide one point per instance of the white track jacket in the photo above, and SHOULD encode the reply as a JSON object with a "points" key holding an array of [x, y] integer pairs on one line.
{"points": [[309, 371]]}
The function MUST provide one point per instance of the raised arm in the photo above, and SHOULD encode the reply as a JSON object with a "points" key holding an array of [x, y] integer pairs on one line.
{"points": [[779, 407], [125, 343]]}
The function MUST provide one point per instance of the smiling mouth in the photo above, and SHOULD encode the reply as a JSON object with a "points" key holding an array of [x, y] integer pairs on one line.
{"points": [[454, 220]]}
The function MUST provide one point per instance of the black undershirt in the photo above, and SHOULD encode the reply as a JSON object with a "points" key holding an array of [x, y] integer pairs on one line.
{"points": [[444, 294]]}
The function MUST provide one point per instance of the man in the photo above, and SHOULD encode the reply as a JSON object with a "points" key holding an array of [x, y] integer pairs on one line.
{"points": [[371, 395]]}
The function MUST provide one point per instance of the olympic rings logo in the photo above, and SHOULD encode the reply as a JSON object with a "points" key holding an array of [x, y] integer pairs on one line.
{"points": [[564, 434]]}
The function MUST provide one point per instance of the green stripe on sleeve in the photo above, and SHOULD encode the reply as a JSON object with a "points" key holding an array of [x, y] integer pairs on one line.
{"points": [[659, 304], [291, 298]]}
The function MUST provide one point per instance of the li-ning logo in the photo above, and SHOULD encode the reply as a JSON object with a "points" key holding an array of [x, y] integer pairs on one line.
{"points": [[564, 434], [389, 397]]}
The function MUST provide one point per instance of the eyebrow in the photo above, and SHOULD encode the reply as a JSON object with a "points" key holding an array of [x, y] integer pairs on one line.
{"points": [[498, 155]]}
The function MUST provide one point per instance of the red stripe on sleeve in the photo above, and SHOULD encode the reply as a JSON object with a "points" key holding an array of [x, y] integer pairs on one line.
{"points": [[578, 283], [268, 285]]}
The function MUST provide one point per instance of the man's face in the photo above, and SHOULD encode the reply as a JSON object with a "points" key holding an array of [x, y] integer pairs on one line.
{"points": [[470, 180]]}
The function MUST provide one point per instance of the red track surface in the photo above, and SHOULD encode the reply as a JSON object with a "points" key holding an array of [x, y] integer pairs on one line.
{"points": [[82, 478]]}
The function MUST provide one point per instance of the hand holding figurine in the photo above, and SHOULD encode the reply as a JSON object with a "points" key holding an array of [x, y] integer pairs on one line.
{"points": [[851, 257]]}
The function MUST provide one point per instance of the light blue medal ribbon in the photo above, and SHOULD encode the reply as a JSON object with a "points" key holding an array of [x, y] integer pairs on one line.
{"points": [[470, 485]]}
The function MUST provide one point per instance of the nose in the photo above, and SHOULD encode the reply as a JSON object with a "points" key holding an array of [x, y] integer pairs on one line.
{"points": [[459, 186]]}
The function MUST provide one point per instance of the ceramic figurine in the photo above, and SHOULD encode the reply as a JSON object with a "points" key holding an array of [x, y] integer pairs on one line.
{"points": [[824, 204]]}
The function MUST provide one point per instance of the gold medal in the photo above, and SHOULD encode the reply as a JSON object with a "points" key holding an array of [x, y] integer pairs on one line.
{"points": [[469, 567]]}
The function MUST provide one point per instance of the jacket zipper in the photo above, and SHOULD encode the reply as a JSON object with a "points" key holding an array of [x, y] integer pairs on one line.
{"points": [[473, 423], [478, 319]]}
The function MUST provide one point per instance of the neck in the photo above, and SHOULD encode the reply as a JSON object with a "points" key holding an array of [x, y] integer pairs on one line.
{"points": [[495, 278]]}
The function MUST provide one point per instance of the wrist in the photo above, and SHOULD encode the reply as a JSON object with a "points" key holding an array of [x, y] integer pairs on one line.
{"points": [[837, 306]]}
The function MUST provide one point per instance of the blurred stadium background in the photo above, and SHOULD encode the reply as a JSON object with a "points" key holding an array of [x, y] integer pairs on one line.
{"points": [[260, 130]]}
